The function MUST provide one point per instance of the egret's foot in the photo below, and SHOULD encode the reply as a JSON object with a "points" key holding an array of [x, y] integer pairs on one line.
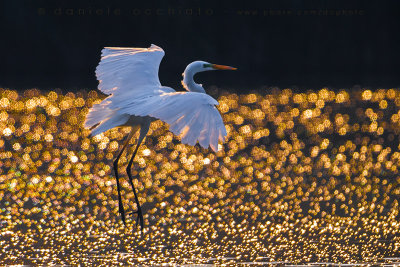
{"points": [[139, 219]]}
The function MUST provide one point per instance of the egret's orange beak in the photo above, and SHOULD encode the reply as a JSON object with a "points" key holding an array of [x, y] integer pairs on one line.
{"points": [[222, 67]]}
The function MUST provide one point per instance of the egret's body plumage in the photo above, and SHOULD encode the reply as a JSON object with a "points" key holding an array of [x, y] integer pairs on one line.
{"points": [[130, 76]]}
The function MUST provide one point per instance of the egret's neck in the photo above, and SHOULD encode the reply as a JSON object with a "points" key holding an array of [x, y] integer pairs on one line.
{"points": [[188, 81]]}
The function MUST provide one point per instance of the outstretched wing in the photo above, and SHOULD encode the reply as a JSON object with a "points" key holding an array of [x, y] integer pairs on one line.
{"points": [[126, 74], [189, 114], [129, 72]]}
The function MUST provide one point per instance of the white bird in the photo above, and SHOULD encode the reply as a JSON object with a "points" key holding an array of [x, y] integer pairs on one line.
{"points": [[130, 76]]}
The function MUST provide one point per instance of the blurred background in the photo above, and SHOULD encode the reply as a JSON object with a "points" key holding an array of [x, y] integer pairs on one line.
{"points": [[297, 44], [307, 174]]}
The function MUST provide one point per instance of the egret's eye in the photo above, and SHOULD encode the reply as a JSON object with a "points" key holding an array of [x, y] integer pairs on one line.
{"points": [[206, 65]]}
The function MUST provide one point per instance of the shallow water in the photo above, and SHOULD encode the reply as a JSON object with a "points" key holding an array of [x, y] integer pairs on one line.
{"points": [[303, 179]]}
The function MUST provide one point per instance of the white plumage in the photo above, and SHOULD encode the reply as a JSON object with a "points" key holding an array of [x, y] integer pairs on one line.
{"points": [[130, 75]]}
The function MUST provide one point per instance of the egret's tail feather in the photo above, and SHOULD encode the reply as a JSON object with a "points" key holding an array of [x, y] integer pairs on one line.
{"points": [[114, 121], [101, 118], [97, 114]]}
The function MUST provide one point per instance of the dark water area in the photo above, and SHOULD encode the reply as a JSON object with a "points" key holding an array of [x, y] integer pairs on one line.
{"points": [[304, 44], [303, 179]]}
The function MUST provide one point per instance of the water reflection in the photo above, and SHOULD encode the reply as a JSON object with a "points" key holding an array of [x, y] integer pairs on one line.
{"points": [[304, 178]]}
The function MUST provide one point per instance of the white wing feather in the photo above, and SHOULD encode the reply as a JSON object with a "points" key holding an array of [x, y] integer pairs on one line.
{"points": [[127, 70], [189, 114], [130, 75], [125, 73]]}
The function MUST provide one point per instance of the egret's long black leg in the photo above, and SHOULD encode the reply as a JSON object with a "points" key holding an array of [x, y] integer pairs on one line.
{"points": [[120, 205], [143, 131]]}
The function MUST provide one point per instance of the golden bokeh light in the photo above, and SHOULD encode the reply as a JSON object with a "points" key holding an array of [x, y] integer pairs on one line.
{"points": [[302, 178]]}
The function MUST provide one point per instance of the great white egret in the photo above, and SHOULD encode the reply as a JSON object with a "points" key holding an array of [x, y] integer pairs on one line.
{"points": [[130, 76]]}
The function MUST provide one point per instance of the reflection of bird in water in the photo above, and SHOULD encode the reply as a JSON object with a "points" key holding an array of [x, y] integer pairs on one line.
{"points": [[137, 98]]}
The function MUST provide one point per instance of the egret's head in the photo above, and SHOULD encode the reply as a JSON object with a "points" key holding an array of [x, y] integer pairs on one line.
{"points": [[210, 66], [199, 66], [195, 67]]}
